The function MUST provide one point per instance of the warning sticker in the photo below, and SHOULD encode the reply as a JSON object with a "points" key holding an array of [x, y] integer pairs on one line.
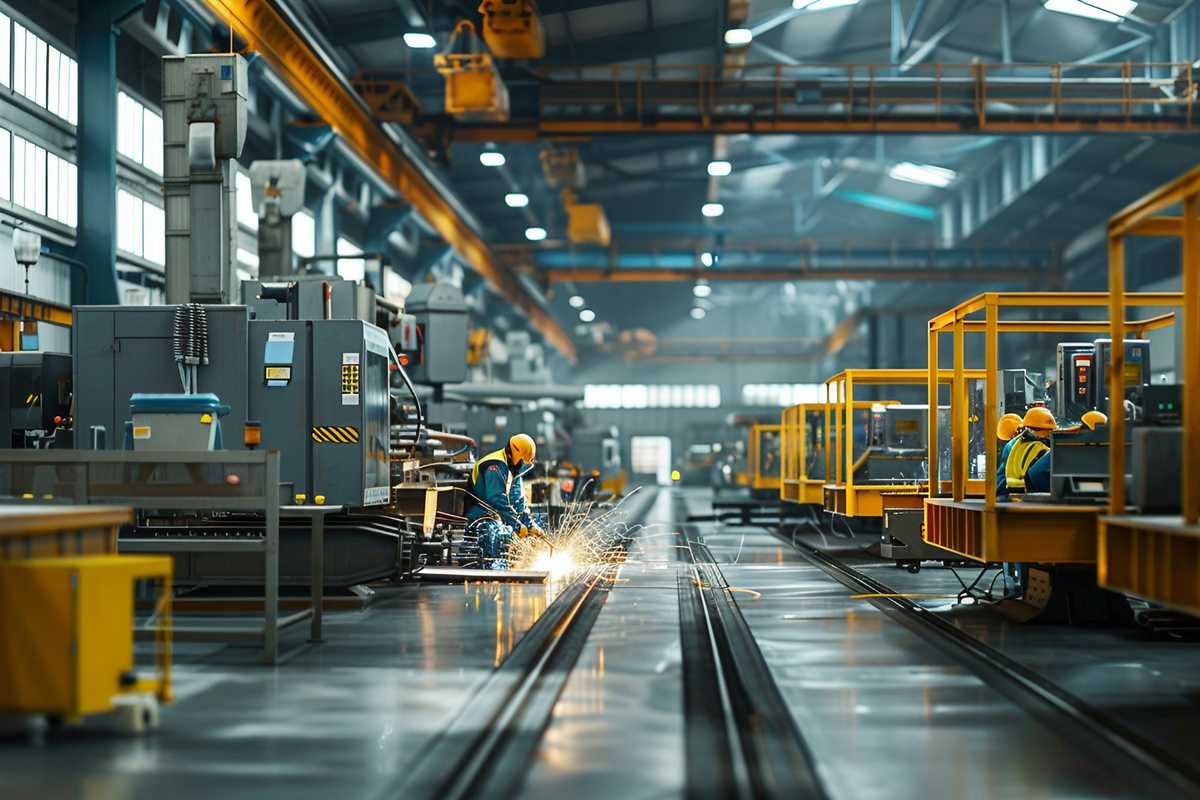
{"points": [[335, 434], [350, 375], [141, 431]]}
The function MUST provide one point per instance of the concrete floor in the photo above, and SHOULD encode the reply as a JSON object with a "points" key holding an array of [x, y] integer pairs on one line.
{"points": [[886, 714]]}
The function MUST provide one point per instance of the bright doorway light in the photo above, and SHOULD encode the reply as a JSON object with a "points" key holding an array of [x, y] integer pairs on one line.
{"points": [[535, 234], [719, 169], [516, 200], [736, 37], [1104, 10], [491, 158], [712, 209], [419, 41], [923, 174]]}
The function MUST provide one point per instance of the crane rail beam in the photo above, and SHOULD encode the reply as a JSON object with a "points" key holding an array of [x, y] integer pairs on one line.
{"points": [[634, 275]]}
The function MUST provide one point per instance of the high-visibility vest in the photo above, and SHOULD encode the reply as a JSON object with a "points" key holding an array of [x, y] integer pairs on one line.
{"points": [[498, 455], [1022, 456]]}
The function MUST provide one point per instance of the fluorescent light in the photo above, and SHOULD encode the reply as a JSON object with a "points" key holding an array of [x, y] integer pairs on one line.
{"points": [[419, 41], [707, 259], [1104, 10], [702, 290], [587, 315], [490, 158], [712, 209], [923, 174], [698, 313], [736, 37], [516, 200], [821, 5], [576, 301], [535, 234], [719, 169]]}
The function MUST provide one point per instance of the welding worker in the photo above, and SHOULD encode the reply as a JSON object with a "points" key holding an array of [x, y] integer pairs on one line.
{"points": [[496, 509], [1025, 464], [1008, 427]]}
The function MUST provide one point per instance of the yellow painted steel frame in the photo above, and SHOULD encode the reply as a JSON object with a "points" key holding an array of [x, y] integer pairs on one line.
{"points": [[759, 480], [842, 495], [1156, 557], [268, 32], [796, 485], [999, 536]]}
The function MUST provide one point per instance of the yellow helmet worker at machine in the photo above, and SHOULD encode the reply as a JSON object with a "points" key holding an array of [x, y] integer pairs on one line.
{"points": [[1023, 466], [1008, 427], [496, 508]]}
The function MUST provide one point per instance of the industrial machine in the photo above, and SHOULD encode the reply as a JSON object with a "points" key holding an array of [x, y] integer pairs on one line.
{"points": [[35, 400], [897, 443]]}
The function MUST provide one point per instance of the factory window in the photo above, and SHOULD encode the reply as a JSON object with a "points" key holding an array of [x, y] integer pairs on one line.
{"points": [[780, 394], [5, 165], [352, 269], [5, 49], [633, 396], [304, 234], [44, 74], [249, 260], [246, 215], [61, 190], [651, 455], [395, 286], [139, 133], [141, 228], [29, 175]]}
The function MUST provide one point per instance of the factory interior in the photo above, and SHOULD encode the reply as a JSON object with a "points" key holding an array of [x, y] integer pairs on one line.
{"points": [[725, 398]]}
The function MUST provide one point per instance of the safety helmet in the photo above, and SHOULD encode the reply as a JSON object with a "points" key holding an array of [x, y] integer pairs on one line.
{"points": [[1039, 418], [522, 449], [1008, 426], [1094, 419]]}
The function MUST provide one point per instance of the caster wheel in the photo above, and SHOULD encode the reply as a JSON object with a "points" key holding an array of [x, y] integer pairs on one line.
{"points": [[914, 568]]}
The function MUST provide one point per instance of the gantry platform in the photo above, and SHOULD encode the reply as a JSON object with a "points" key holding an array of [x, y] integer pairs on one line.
{"points": [[1155, 557], [1041, 533]]}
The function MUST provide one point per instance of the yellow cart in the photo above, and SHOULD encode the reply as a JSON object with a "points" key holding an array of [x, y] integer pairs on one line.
{"points": [[1156, 557], [763, 457], [970, 522]]}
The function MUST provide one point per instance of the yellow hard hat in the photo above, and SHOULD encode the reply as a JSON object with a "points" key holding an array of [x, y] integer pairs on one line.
{"points": [[1008, 426], [522, 448], [1094, 419], [1039, 418]]}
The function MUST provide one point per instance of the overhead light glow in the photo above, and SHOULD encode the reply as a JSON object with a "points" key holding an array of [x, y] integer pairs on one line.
{"points": [[712, 209], [490, 158], [516, 200], [698, 313], [821, 5], [587, 315], [719, 169], [736, 37], [702, 290], [923, 174], [576, 301], [707, 259], [535, 234], [1104, 10], [419, 41]]}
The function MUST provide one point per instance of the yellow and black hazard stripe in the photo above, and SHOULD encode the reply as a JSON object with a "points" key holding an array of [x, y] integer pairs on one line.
{"points": [[335, 434], [33, 400]]}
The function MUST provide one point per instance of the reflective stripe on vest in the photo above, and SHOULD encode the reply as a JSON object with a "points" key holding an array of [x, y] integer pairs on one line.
{"points": [[496, 456], [1023, 455]]}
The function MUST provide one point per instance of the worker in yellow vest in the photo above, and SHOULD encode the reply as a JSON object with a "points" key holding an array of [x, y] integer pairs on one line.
{"points": [[1025, 464], [496, 509]]}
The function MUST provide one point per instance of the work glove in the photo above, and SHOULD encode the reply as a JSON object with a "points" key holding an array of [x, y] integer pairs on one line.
{"points": [[523, 531], [538, 532]]}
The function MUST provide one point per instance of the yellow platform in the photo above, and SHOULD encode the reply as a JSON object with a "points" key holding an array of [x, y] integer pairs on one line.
{"points": [[805, 491], [1040, 533], [1152, 557], [870, 500]]}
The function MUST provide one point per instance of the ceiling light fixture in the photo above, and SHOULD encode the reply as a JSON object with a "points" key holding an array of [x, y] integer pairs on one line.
{"points": [[491, 158], [923, 174], [575, 301], [419, 41], [712, 209], [707, 259], [698, 313], [587, 315], [719, 169], [701, 289], [535, 234], [1103, 10], [516, 200], [738, 37]]}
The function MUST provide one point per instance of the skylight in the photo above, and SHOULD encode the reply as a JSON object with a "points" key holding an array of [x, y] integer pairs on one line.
{"points": [[924, 174], [1104, 10]]}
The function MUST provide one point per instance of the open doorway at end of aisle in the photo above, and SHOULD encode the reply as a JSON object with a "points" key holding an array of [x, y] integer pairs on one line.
{"points": [[650, 456]]}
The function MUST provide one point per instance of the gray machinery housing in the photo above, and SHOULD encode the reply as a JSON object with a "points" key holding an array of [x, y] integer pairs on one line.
{"points": [[1137, 371], [318, 387], [1079, 464], [1020, 389], [34, 389], [900, 538], [1073, 389], [204, 128], [441, 315], [304, 297]]}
